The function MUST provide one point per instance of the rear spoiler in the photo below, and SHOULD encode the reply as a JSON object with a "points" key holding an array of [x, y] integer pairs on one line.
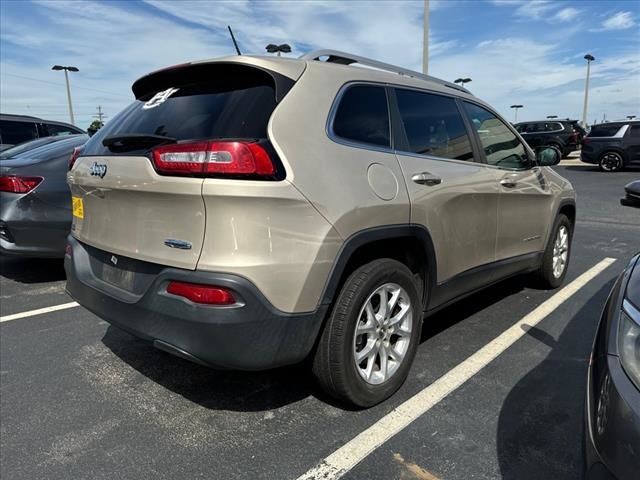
{"points": [[222, 73]]}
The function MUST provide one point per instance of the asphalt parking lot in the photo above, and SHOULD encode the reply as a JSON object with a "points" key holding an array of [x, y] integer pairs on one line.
{"points": [[80, 399]]}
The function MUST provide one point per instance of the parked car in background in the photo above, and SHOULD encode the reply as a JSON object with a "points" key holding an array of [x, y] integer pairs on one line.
{"points": [[29, 145], [560, 134], [15, 129], [612, 414], [35, 203], [632, 194], [249, 212], [612, 146]]}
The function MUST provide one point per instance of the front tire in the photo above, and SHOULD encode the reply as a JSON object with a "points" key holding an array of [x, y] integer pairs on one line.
{"points": [[370, 340], [555, 260], [611, 162]]}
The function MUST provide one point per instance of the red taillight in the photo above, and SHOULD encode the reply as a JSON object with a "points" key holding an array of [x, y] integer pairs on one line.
{"points": [[207, 294], [15, 184], [213, 158], [74, 156]]}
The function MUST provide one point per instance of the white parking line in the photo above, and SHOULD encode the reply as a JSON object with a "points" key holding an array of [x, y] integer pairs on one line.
{"points": [[353, 452], [39, 311]]}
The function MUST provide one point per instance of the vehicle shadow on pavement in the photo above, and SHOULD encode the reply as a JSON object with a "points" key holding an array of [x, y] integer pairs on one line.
{"points": [[540, 428], [266, 390], [32, 270], [210, 388], [475, 303]]}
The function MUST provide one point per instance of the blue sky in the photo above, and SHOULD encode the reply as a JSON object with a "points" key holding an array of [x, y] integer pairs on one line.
{"points": [[526, 52]]}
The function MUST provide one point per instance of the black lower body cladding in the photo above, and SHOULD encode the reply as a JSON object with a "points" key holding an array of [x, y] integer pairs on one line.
{"points": [[251, 335]]}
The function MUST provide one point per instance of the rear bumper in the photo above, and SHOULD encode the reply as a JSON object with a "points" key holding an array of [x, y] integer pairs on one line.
{"points": [[31, 240], [31, 228], [588, 157], [251, 335]]}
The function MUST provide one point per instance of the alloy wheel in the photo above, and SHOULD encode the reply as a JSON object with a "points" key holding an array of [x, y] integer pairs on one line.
{"points": [[383, 333], [560, 251]]}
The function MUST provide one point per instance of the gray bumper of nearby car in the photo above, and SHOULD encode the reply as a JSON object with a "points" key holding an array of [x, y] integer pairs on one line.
{"points": [[251, 335], [612, 416], [588, 157], [31, 228]]}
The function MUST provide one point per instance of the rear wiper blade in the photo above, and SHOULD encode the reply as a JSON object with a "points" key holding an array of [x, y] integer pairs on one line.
{"points": [[136, 140]]}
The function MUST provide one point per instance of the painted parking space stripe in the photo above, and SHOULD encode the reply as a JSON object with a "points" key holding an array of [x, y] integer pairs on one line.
{"points": [[39, 311], [353, 452]]}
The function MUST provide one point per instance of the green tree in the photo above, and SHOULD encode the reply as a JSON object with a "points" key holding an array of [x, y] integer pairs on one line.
{"points": [[94, 127]]}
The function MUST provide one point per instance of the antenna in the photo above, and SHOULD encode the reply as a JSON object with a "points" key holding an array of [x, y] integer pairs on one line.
{"points": [[235, 44]]}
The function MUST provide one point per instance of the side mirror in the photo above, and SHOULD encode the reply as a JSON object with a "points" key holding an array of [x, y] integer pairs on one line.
{"points": [[548, 156]]}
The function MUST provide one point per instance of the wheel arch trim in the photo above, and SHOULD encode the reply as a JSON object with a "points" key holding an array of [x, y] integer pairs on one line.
{"points": [[371, 235]]}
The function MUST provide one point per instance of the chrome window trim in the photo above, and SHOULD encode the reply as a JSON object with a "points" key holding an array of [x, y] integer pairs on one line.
{"points": [[377, 148]]}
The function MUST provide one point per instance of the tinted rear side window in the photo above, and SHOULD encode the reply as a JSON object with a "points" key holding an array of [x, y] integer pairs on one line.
{"points": [[59, 130], [604, 130], [228, 105], [13, 133], [362, 116], [433, 125]]}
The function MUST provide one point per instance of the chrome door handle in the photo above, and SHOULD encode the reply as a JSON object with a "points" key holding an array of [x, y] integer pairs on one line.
{"points": [[508, 183], [425, 178]]}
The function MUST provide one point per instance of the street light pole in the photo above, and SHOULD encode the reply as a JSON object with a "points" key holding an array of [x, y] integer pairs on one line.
{"points": [[516, 107], [425, 39], [589, 58], [66, 78]]}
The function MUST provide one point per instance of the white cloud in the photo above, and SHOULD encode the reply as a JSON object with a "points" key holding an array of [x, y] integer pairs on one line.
{"points": [[534, 9], [619, 21], [541, 82], [539, 10], [566, 14], [114, 43]]}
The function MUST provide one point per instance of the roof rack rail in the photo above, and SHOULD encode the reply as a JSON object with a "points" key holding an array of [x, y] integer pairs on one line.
{"points": [[343, 58]]}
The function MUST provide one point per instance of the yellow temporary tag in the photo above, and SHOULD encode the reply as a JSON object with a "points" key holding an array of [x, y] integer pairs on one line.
{"points": [[78, 207]]}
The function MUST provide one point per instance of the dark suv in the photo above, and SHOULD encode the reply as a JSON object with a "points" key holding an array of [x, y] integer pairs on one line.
{"points": [[612, 146], [561, 134], [15, 129]]}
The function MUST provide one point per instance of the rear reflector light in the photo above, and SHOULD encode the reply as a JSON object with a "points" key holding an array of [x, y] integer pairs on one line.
{"points": [[74, 156], [15, 184], [207, 294], [213, 158]]}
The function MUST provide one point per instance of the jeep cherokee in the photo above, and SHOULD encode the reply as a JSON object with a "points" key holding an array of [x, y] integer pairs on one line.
{"points": [[250, 212]]}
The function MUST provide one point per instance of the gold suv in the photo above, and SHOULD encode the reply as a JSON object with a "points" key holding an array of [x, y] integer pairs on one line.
{"points": [[249, 212]]}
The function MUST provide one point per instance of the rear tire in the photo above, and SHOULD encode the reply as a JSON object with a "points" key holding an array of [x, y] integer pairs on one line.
{"points": [[611, 162], [386, 339], [555, 260]]}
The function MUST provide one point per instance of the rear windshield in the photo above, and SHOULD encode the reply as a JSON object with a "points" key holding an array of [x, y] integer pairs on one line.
{"points": [[197, 108], [54, 149], [604, 130]]}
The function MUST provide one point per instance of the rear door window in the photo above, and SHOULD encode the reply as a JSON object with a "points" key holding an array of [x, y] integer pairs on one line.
{"points": [[228, 105], [604, 130], [13, 133], [363, 116], [433, 125], [59, 130]]}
